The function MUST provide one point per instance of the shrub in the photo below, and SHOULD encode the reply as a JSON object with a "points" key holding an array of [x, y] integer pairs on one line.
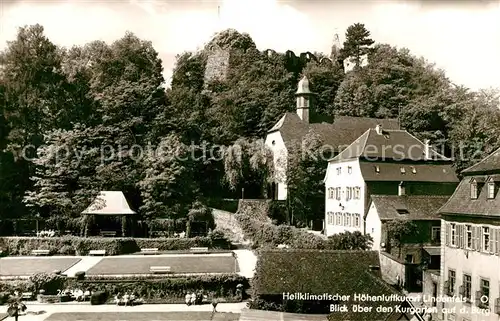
{"points": [[67, 250], [166, 290], [49, 282], [4, 297], [218, 239], [266, 234], [80, 275], [113, 246], [98, 297]]}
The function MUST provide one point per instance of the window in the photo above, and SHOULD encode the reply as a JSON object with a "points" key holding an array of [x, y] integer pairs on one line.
{"points": [[349, 170], [452, 280], [337, 193], [436, 233], [403, 170], [413, 170], [484, 290], [348, 195], [345, 219], [330, 218], [473, 190], [486, 239], [339, 219], [491, 190], [467, 287], [331, 192], [357, 220], [451, 317], [357, 192], [373, 230], [348, 219], [377, 169], [469, 236], [339, 170], [409, 258], [453, 234]]}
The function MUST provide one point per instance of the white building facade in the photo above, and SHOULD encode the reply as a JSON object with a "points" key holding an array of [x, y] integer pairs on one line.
{"points": [[345, 195]]}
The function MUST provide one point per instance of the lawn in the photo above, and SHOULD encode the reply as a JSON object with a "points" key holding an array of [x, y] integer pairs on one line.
{"points": [[143, 316], [179, 264], [29, 266]]}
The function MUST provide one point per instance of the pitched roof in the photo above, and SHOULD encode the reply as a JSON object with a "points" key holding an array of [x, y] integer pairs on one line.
{"points": [[302, 267], [388, 145], [412, 172], [342, 272], [109, 203], [461, 203], [490, 163], [340, 134], [418, 207]]}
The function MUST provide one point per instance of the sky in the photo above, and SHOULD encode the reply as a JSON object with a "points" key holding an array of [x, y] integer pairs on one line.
{"points": [[461, 37]]}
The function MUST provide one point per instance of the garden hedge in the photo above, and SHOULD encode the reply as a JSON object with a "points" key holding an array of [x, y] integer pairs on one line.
{"points": [[159, 289], [266, 234], [73, 245]]}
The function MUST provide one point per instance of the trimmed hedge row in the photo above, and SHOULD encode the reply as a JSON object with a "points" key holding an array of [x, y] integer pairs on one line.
{"points": [[73, 245], [156, 290], [169, 290], [264, 234]]}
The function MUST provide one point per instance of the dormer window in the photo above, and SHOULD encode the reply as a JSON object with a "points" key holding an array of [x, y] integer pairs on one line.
{"points": [[473, 190], [403, 170], [413, 170], [491, 190], [377, 169]]}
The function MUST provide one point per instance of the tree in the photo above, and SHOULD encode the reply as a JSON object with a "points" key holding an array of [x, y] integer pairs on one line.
{"points": [[325, 79], [397, 230], [33, 92], [305, 171], [248, 163], [166, 183], [350, 241], [357, 43]]}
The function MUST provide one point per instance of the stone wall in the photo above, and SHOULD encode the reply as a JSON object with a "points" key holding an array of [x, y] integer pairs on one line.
{"points": [[217, 65], [392, 269]]}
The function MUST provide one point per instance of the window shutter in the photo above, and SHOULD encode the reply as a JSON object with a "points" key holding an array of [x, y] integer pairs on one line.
{"points": [[479, 294], [497, 232], [493, 243], [447, 234], [480, 238], [461, 235]]}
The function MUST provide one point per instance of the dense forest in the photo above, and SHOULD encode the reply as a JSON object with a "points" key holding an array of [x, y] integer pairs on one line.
{"points": [[76, 121]]}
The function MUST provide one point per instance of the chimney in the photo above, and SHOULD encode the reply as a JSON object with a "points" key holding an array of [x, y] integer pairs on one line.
{"points": [[378, 129], [427, 154], [401, 189]]}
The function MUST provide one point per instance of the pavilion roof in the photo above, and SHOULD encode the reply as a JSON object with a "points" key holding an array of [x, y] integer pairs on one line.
{"points": [[109, 203]]}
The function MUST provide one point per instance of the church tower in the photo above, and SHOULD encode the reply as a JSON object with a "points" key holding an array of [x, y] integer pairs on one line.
{"points": [[335, 54], [304, 97]]}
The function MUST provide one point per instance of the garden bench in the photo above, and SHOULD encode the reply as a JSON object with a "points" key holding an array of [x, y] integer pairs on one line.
{"points": [[108, 233], [27, 295], [97, 252], [199, 249], [160, 269], [150, 251], [40, 252]]}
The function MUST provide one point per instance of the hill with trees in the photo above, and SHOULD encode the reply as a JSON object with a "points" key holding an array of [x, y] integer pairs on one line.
{"points": [[76, 121]]}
